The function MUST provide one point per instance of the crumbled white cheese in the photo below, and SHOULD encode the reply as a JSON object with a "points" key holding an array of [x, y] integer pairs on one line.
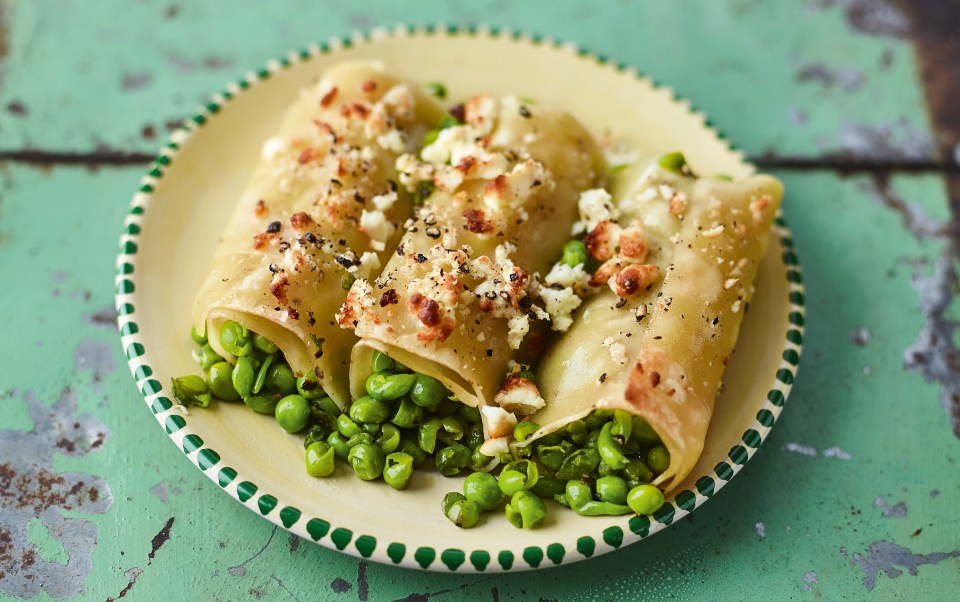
{"points": [[522, 399], [576, 278], [383, 202], [498, 446], [369, 265], [560, 304], [519, 326], [713, 232], [393, 141], [618, 351], [377, 227], [728, 283], [596, 205], [499, 422]]}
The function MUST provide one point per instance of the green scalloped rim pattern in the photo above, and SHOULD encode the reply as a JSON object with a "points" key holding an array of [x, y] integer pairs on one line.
{"points": [[169, 414]]}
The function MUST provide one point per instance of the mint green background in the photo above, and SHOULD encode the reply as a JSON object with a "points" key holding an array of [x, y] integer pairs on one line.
{"points": [[740, 61]]}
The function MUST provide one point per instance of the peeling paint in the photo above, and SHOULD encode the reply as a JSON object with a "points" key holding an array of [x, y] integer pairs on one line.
{"points": [[886, 556], [94, 356], [804, 450], [135, 81], [798, 116], [860, 336], [161, 490], [847, 79], [836, 452], [132, 575], [885, 142], [809, 579], [30, 488], [898, 510], [340, 585], [912, 215], [872, 17], [761, 530]]}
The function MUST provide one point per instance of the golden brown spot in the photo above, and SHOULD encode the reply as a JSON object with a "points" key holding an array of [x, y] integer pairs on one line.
{"points": [[368, 86], [635, 277], [300, 221], [329, 97], [477, 221], [263, 239], [277, 288], [260, 209], [599, 241]]}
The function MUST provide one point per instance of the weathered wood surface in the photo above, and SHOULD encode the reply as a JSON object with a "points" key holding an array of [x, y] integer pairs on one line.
{"points": [[853, 103]]}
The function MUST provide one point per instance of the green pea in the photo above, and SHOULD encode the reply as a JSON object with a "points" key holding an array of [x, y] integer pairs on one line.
{"points": [[368, 409], [191, 390], [576, 431], [400, 368], [658, 459], [674, 162], [207, 357], [371, 428], [220, 381], [447, 407], [574, 254], [358, 439], [327, 405], [452, 459], [436, 89], [367, 461], [645, 499], [612, 489], [474, 436], [525, 510], [413, 450], [453, 430], [280, 379], [579, 464], [427, 434], [197, 338], [382, 361], [554, 438], [580, 497], [595, 420], [398, 469], [427, 391], [264, 344], [449, 500], [262, 374], [292, 413], [622, 424], [389, 438], [518, 476], [644, 433], [235, 339], [590, 441], [408, 414], [470, 414], [385, 388], [609, 448], [482, 489], [604, 470], [339, 444], [551, 456], [478, 460], [464, 514], [317, 432], [242, 376], [309, 389], [262, 404], [636, 472], [320, 459], [524, 429], [347, 427], [549, 487]]}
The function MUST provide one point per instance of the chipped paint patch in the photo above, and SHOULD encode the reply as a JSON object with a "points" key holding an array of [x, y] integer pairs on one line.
{"points": [[761, 530], [836, 452], [804, 450], [105, 317], [934, 354], [31, 489], [809, 579], [885, 556], [860, 336], [872, 17], [162, 491], [898, 510], [340, 585], [847, 79], [897, 140], [94, 356]]}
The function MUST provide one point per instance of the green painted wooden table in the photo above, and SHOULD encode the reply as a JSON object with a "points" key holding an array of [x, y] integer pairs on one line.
{"points": [[851, 102]]}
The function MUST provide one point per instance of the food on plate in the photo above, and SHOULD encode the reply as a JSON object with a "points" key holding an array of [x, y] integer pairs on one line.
{"points": [[322, 208], [506, 307]]}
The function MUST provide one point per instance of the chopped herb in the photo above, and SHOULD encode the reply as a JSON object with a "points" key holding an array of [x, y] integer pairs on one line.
{"points": [[346, 281], [436, 89], [423, 192]]}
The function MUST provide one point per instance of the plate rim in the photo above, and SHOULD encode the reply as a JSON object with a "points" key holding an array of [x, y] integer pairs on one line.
{"points": [[364, 546]]}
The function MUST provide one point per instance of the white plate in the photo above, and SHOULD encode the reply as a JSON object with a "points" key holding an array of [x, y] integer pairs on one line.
{"points": [[180, 210]]}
